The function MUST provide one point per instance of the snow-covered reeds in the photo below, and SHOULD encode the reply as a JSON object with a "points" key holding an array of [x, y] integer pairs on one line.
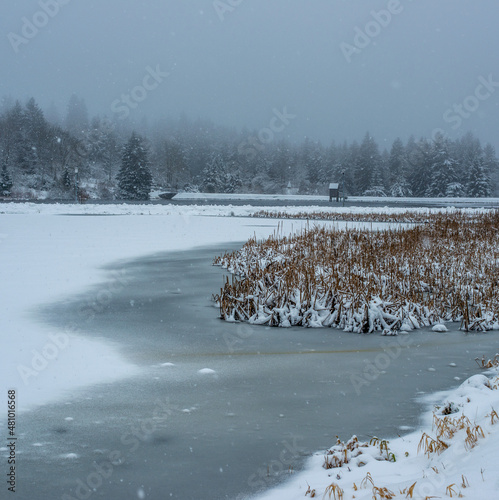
{"points": [[364, 281], [382, 215]]}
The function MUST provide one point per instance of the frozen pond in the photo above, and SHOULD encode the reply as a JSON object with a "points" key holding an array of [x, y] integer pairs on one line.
{"points": [[220, 410]]}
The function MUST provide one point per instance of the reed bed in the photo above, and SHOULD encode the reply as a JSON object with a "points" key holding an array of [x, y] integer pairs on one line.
{"points": [[365, 281], [409, 216]]}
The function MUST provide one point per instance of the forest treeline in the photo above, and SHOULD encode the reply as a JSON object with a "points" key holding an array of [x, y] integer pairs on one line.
{"points": [[39, 155]]}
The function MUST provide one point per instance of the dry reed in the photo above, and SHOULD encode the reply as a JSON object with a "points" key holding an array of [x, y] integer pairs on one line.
{"points": [[365, 281]]}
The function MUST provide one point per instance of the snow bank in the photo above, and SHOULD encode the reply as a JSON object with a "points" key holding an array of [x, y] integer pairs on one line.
{"points": [[453, 455], [208, 210]]}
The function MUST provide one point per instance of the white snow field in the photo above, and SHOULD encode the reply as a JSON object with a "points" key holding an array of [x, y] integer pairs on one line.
{"points": [[368, 199], [48, 252], [47, 256]]}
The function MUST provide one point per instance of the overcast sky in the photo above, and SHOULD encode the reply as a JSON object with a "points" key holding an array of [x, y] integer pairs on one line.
{"points": [[237, 61]]}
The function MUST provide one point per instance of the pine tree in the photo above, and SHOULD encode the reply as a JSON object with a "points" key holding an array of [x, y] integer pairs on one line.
{"points": [[66, 180], [444, 180], [491, 167], [419, 157], [134, 177], [213, 175], [369, 175], [5, 182], [397, 170], [479, 183], [37, 136]]}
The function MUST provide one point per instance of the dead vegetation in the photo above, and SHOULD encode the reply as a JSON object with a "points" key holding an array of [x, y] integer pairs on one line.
{"points": [[406, 217], [363, 281], [379, 493], [344, 453], [491, 363]]}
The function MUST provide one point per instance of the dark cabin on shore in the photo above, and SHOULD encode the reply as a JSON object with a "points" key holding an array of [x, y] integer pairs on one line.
{"points": [[334, 191]]}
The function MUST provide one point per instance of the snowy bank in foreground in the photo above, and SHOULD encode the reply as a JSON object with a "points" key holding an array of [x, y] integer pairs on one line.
{"points": [[453, 455]]}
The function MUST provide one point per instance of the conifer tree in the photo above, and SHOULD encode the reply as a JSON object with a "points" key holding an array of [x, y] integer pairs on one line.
{"points": [[134, 177], [479, 183], [444, 180], [369, 169], [5, 182]]}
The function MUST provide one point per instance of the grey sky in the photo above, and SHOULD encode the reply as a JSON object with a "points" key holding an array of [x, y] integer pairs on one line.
{"points": [[236, 65]]}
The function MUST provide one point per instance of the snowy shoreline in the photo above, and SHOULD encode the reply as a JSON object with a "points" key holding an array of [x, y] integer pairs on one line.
{"points": [[25, 208], [453, 454]]}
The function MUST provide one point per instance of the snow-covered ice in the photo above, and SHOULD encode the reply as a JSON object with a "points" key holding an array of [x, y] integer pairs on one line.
{"points": [[47, 256]]}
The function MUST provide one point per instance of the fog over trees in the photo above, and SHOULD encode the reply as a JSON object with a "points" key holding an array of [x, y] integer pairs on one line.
{"points": [[40, 152]]}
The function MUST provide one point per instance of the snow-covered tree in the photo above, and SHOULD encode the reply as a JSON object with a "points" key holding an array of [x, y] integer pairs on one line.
{"points": [[213, 175], [479, 185], [369, 173], [103, 150], [134, 177], [397, 170], [217, 177], [419, 157], [5, 181], [491, 167], [443, 169]]}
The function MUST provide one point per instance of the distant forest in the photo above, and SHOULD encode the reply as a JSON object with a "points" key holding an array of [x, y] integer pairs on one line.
{"points": [[40, 152]]}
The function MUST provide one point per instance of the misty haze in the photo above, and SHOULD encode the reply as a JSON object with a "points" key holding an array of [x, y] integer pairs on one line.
{"points": [[249, 249]]}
